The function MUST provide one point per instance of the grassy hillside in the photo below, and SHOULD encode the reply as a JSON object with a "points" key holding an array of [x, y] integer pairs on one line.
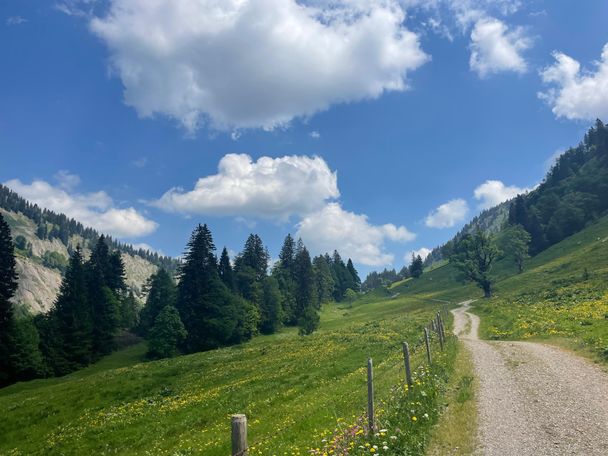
{"points": [[293, 389], [562, 295]]}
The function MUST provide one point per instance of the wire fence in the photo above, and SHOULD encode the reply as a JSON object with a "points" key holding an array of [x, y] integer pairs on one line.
{"points": [[433, 329]]}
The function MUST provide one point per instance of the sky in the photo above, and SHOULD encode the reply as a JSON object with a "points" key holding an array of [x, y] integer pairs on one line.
{"points": [[378, 127]]}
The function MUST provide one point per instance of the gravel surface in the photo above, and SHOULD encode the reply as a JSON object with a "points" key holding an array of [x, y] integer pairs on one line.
{"points": [[535, 399]]}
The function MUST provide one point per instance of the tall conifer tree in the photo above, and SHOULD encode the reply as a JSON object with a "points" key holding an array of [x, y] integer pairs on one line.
{"points": [[8, 286]]}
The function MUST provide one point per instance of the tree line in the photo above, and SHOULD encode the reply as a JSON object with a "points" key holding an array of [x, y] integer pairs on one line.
{"points": [[211, 303]]}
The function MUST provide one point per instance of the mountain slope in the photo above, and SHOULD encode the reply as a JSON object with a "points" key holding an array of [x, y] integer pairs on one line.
{"points": [[42, 254]]}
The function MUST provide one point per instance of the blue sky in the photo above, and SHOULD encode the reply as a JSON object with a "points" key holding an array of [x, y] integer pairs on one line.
{"points": [[409, 107]]}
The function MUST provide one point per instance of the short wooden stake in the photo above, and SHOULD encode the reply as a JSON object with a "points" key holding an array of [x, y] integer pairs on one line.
{"points": [[370, 396], [428, 345], [433, 326], [406, 360], [439, 332], [239, 435]]}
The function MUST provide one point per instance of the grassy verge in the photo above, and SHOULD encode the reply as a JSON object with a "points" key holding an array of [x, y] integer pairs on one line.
{"points": [[455, 433], [405, 416]]}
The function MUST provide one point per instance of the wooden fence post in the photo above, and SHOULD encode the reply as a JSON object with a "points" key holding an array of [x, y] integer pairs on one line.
{"points": [[370, 396], [239, 435], [428, 346], [406, 360], [439, 333]]}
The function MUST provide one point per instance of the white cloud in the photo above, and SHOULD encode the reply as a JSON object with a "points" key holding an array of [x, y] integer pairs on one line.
{"points": [[249, 64], [577, 94], [274, 188], [494, 48], [494, 192], [447, 215], [422, 251], [141, 162], [352, 234], [315, 135], [15, 20], [67, 180], [91, 209]]}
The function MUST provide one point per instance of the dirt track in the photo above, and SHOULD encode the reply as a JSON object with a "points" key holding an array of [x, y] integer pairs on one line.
{"points": [[535, 399]]}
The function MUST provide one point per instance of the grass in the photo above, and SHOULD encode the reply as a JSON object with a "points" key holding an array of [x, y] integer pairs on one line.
{"points": [[293, 390], [455, 433], [562, 297]]}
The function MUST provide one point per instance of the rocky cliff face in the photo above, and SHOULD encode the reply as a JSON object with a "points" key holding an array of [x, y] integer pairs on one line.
{"points": [[39, 280]]}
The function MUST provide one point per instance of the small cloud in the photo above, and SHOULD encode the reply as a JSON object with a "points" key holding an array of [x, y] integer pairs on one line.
{"points": [[493, 192], [315, 135], [422, 251], [447, 215], [495, 48], [576, 94], [66, 180], [235, 135], [140, 162], [15, 20]]}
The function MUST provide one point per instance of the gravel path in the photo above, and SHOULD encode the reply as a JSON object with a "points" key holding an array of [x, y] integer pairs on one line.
{"points": [[535, 399]]}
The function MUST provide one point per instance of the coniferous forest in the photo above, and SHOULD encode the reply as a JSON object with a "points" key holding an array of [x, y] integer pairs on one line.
{"points": [[208, 303]]}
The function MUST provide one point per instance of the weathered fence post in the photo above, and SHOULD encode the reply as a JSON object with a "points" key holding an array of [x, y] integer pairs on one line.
{"points": [[439, 332], [406, 360], [433, 325], [370, 396], [239, 435], [442, 327], [428, 346]]}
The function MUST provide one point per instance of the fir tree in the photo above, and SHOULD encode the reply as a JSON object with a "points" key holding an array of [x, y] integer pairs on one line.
{"points": [[270, 309], [356, 280], [8, 286], [26, 357], [211, 314], [305, 295], [225, 270], [129, 311], [284, 273], [73, 318], [323, 278], [416, 266], [166, 334], [101, 274], [161, 293]]}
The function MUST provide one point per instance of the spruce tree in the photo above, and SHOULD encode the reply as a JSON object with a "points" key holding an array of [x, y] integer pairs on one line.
{"points": [[284, 273], [225, 270], [211, 314], [129, 311], [416, 266], [305, 293], [101, 275], [270, 308], [73, 318], [8, 287], [356, 280], [166, 334], [324, 279], [161, 293]]}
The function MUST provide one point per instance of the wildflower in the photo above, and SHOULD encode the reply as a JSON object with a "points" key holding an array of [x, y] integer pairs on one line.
{"points": [[414, 418]]}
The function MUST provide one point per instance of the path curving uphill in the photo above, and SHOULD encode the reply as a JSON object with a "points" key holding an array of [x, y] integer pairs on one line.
{"points": [[535, 399]]}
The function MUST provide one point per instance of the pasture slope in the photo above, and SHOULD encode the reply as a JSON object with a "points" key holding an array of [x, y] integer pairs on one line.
{"points": [[297, 390]]}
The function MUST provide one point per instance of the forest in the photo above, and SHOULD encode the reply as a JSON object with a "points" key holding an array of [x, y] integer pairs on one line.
{"points": [[209, 303]]}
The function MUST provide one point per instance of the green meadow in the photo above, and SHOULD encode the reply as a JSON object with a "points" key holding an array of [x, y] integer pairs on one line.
{"points": [[293, 389]]}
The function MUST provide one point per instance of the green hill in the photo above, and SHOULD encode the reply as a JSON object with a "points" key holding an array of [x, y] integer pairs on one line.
{"points": [[296, 390]]}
